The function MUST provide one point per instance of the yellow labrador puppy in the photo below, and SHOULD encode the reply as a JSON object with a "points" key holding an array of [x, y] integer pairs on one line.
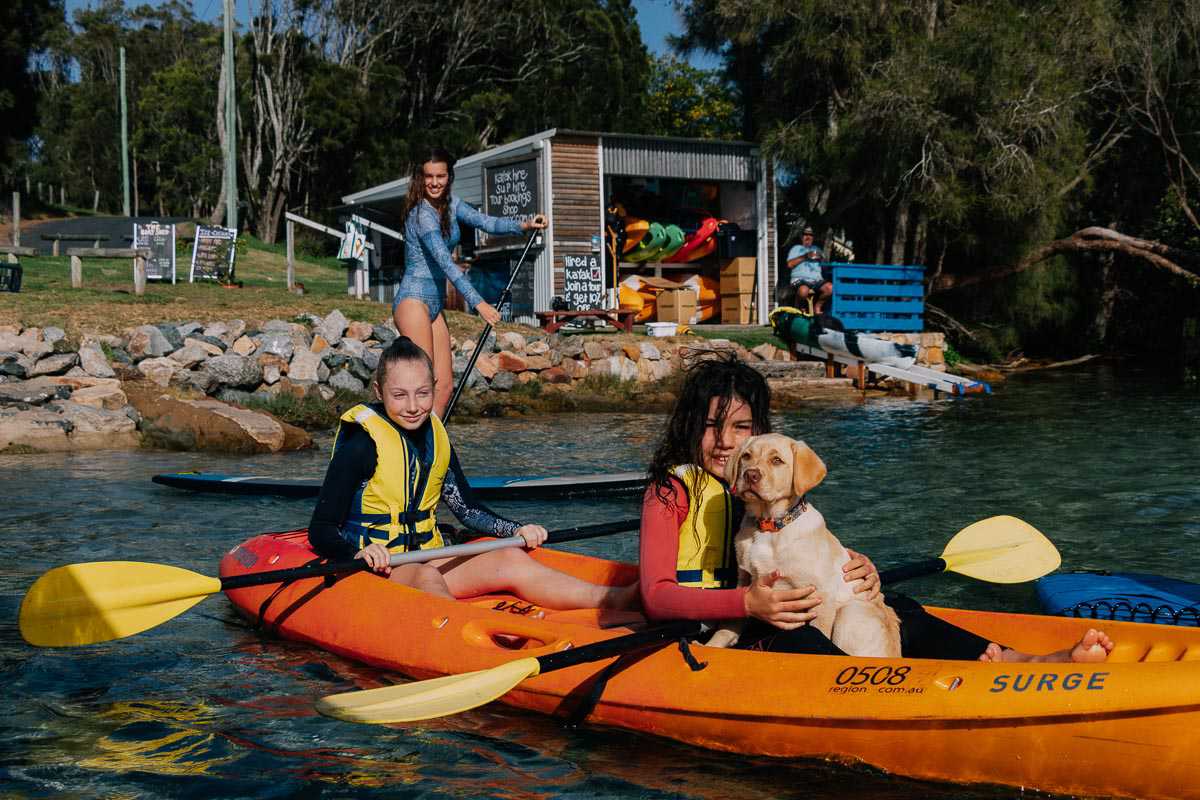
{"points": [[781, 533]]}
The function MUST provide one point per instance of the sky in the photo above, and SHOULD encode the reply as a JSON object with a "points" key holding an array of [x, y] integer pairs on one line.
{"points": [[656, 19]]}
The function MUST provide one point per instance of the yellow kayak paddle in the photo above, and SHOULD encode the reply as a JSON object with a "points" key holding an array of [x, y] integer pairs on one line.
{"points": [[998, 549], [99, 601]]}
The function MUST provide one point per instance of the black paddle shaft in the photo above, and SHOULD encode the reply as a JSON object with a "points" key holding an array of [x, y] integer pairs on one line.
{"points": [[617, 646], [929, 566], [357, 565], [487, 329]]}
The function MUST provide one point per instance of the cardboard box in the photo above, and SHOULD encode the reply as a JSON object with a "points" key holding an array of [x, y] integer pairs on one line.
{"points": [[738, 266], [741, 283], [676, 305], [735, 309]]}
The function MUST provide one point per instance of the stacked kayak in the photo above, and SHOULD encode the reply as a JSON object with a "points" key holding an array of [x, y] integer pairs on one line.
{"points": [[1128, 727], [640, 293], [1127, 596], [490, 488]]}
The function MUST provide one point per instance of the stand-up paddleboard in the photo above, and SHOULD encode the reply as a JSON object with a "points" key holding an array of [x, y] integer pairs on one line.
{"points": [[1121, 596], [650, 244], [487, 487]]}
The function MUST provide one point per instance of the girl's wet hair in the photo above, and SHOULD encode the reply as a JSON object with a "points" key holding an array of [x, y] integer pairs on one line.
{"points": [[723, 377], [416, 185], [402, 348]]}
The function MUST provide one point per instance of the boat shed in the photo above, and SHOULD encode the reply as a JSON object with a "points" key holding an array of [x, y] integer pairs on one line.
{"points": [[594, 185]]}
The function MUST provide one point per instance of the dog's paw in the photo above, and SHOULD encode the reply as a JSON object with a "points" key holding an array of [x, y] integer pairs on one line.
{"points": [[723, 638]]}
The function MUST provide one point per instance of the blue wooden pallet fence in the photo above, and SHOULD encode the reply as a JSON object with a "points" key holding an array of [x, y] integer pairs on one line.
{"points": [[879, 297]]}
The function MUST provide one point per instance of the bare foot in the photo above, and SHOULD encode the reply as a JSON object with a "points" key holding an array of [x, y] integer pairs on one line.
{"points": [[1092, 648]]}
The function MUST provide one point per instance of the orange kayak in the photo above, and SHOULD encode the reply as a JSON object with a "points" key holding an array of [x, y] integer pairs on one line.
{"points": [[1129, 727]]}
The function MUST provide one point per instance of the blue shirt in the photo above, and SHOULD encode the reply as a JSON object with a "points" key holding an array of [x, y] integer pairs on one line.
{"points": [[809, 268], [427, 257]]}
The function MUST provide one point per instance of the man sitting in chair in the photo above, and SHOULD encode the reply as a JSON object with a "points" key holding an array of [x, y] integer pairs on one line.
{"points": [[808, 288]]}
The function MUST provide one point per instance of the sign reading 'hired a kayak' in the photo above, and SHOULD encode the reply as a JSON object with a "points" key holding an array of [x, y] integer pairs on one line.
{"points": [[510, 189], [584, 281]]}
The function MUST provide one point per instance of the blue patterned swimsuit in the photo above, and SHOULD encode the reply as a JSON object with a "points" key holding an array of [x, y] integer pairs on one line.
{"points": [[427, 260]]}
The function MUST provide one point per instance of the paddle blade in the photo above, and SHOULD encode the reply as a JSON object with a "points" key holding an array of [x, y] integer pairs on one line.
{"points": [[88, 603], [1001, 549], [439, 697]]}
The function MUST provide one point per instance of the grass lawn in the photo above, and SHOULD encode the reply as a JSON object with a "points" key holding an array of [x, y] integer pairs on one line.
{"points": [[747, 336]]}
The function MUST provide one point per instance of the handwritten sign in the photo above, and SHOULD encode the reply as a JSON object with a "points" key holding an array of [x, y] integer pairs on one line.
{"points": [[212, 254], [584, 282], [160, 239], [511, 190]]}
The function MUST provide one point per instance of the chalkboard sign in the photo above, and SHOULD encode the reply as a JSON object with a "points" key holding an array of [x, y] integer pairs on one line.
{"points": [[212, 254], [584, 282], [160, 266], [510, 189]]}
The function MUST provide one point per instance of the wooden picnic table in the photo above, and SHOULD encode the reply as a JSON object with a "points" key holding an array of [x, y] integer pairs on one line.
{"points": [[551, 321]]}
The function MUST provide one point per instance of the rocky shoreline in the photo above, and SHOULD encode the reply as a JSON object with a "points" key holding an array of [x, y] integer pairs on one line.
{"points": [[187, 385]]}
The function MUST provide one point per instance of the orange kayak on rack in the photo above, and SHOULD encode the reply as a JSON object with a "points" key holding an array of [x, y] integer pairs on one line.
{"points": [[1129, 727]]}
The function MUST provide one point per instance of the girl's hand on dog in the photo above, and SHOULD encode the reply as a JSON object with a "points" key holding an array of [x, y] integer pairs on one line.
{"points": [[378, 557], [786, 609], [860, 568]]}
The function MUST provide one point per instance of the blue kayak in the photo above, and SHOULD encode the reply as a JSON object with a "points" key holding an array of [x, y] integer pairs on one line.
{"points": [[488, 487], [1121, 596]]}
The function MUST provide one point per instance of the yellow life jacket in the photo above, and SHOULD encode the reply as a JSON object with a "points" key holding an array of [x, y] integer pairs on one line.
{"points": [[706, 557], [398, 505]]}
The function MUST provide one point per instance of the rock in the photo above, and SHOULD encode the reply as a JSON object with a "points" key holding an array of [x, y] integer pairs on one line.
{"points": [[76, 371], [271, 360], [555, 375], [334, 360], [574, 369], [212, 425], [92, 359], [171, 334], [147, 341], [304, 366], [352, 348], [271, 374], [332, 326], [112, 398], [510, 340], [200, 380], [572, 347], [325, 393], [52, 334], [234, 370], [632, 352], [217, 330], [765, 351], [189, 355], [617, 366], [323, 373], [97, 428], [234, 329], [319, 344], [538, 348], [537, 363], [510, 362], [32, 393], [649, 351], [119, 355], [244, 346], [276, 326], [159, 370], [54, 365], [12, 343], [468, 346], [487, 366], [371, 357], [35, 350], [63, 346], [15, 364], [504, 381], [211, 346], [347, 382], [594, 350], [526, 377], [15, 330], [36, 428], [187, 329], [277, 343], [359, 331], [359, 369], [385, 334]]}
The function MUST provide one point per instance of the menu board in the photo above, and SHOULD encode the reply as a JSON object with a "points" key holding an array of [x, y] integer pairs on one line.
{"points": [[212, 254], [510, 189], [160, 239], [584, 279]]}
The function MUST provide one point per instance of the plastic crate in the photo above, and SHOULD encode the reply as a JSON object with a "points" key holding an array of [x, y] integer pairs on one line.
{"points": [[10, 277]]}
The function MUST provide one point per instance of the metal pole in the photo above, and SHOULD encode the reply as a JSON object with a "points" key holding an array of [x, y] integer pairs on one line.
{"points": [[16, 220], [124, 137], [231, 220], [487, 329]]}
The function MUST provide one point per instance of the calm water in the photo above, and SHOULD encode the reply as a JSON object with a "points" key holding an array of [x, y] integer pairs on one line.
{"points": [[1102, 462]]}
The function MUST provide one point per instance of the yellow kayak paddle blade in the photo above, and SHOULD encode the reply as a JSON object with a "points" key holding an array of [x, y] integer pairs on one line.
{"points": [[439, 697], [1001, 549], [81, 604]]}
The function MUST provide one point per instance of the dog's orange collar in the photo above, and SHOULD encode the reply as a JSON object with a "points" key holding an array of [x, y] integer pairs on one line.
{"points": [[776, 524]]}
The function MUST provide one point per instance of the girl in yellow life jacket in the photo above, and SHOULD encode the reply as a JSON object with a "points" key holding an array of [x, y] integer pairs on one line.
{"points": [[392, 463], [687, 563]]}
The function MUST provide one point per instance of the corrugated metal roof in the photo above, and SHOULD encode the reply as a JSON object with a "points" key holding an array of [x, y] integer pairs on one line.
{"points": [[693, 159]]}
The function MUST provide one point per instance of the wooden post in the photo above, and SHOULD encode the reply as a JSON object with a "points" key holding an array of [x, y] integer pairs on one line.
{"points": [[54, 247], [96, 202], [139, 275], [76, 272], [62, 195], [16, 221], [291, 255]]}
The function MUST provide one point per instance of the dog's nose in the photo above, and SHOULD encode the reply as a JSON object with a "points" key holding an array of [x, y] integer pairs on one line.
{"points": [[752, 475]]}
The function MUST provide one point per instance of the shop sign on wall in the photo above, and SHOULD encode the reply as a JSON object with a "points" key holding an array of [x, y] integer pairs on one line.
{"points": [[584, 278], [511, 190]]}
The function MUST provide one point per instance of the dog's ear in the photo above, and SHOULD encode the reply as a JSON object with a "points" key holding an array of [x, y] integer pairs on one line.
{"points": [[808, 469], [734, 464]]}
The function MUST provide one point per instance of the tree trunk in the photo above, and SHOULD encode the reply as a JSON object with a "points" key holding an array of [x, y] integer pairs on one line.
{"points": [[1108, 297], [218, 213], [900, 234]]}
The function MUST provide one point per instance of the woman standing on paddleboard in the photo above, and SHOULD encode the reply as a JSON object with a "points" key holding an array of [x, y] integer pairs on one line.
{"points": [[432, 215]]}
